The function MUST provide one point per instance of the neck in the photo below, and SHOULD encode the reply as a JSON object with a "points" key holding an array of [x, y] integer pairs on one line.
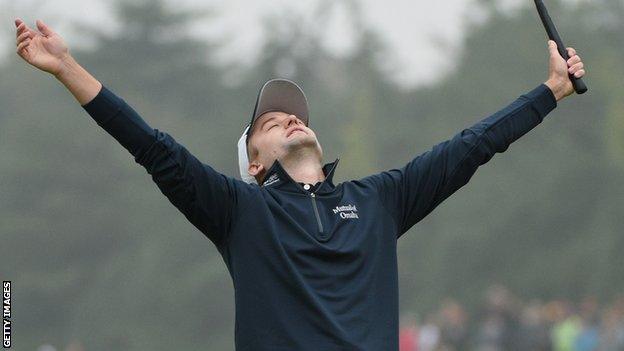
{"points": [[303, 169]]}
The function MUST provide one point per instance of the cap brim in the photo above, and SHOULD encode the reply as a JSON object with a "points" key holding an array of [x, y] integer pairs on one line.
{"points": [[281, 95]]}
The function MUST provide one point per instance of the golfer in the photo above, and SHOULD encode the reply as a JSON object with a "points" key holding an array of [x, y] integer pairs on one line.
{"points": [[313, 263]]}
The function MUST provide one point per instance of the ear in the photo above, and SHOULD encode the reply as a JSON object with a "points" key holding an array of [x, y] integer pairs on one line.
{"points": [[255, 168]]}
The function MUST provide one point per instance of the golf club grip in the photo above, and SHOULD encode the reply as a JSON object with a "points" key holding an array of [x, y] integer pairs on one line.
{"points": [[577, 83]]}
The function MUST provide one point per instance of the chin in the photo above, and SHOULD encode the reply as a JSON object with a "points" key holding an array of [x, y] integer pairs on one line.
{"points": [[302, 142]]}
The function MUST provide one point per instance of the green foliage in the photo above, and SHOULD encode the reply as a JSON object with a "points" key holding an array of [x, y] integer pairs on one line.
{"points": [[97, 254]]}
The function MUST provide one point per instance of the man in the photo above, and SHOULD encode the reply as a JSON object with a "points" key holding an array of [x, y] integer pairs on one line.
{"points": [[313, 263]]}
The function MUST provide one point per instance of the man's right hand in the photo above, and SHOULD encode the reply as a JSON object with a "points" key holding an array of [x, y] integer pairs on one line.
{"points": [[47, 51], [43, 49]]}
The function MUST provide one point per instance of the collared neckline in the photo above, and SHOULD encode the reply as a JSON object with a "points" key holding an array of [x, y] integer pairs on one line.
{"points": [[278, 177]]}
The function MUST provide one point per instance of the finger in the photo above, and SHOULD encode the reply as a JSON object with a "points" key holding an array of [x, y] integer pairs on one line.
{"points": [[575, 67], [18, 21], [579, 73], [22, 46], [571, 52], [20, 29], [574, 60], [22, 36], [44, 28]]}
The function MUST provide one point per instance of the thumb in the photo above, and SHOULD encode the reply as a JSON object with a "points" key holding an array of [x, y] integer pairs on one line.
{"points": [[44, 29], [552, 48]]}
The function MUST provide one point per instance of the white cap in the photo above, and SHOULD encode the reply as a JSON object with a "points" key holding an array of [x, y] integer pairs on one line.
{"points": [[275, 95]]}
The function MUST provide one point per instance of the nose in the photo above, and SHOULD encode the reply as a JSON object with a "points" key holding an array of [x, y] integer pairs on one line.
{"points": [[292, 119]]}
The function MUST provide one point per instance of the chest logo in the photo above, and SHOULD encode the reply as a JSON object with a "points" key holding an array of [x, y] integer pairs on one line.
{"points": [[346, 211], [274, 178]]}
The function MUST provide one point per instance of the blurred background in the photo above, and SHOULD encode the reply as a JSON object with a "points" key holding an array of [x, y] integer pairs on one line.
{"points": [[527, 256]]}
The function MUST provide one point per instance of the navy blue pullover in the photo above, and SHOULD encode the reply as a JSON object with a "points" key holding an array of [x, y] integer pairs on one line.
{"points": [[315, 269]]}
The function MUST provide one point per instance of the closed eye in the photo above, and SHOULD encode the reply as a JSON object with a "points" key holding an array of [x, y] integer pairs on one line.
{"points": [[275, 125]]}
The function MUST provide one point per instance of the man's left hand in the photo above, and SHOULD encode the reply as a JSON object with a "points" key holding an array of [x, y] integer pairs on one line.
{"points": [[558, 80]]}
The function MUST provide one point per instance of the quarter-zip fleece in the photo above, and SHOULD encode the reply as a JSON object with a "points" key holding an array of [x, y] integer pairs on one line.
{"points": [[315, 269]]}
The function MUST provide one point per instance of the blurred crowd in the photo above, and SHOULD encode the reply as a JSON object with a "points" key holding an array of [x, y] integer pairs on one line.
{"points": [[506, 323]]}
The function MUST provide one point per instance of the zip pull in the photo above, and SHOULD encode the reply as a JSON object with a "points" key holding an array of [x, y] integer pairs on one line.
{"points": [[316, 213]]}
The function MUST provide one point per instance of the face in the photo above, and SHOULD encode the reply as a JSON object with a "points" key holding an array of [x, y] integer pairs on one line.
{"points": [[278, 134]]}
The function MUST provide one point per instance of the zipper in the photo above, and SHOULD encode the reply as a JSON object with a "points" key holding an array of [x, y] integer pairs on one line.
{"points": [[316, 213]]}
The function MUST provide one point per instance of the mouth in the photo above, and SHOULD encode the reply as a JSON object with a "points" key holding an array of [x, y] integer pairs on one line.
{"points": [[294, 130]]}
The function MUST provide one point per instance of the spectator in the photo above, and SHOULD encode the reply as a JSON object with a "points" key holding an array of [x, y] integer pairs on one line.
{"points": [[588, 338], [408, 333], [454, 331], [612, 331], [429, 334], [498, 322], [566, 329]]}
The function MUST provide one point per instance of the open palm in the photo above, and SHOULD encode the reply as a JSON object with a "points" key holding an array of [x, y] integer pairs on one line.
{"points": [[44, 49]]}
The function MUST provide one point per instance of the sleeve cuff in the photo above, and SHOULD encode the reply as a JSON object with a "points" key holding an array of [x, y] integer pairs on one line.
{"points": [[104, 106], [543, 99]]}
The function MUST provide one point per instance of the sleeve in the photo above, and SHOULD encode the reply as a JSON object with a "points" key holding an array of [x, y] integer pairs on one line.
{"points": [[205, 196], [413, 191]]}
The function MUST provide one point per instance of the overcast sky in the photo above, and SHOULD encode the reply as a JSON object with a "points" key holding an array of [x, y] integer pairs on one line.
{"points": [[422, 35]]}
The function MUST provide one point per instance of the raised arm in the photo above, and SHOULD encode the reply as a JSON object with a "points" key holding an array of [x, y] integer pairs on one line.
{"points": [[47, 51], [205, 196], [413, 191]]}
